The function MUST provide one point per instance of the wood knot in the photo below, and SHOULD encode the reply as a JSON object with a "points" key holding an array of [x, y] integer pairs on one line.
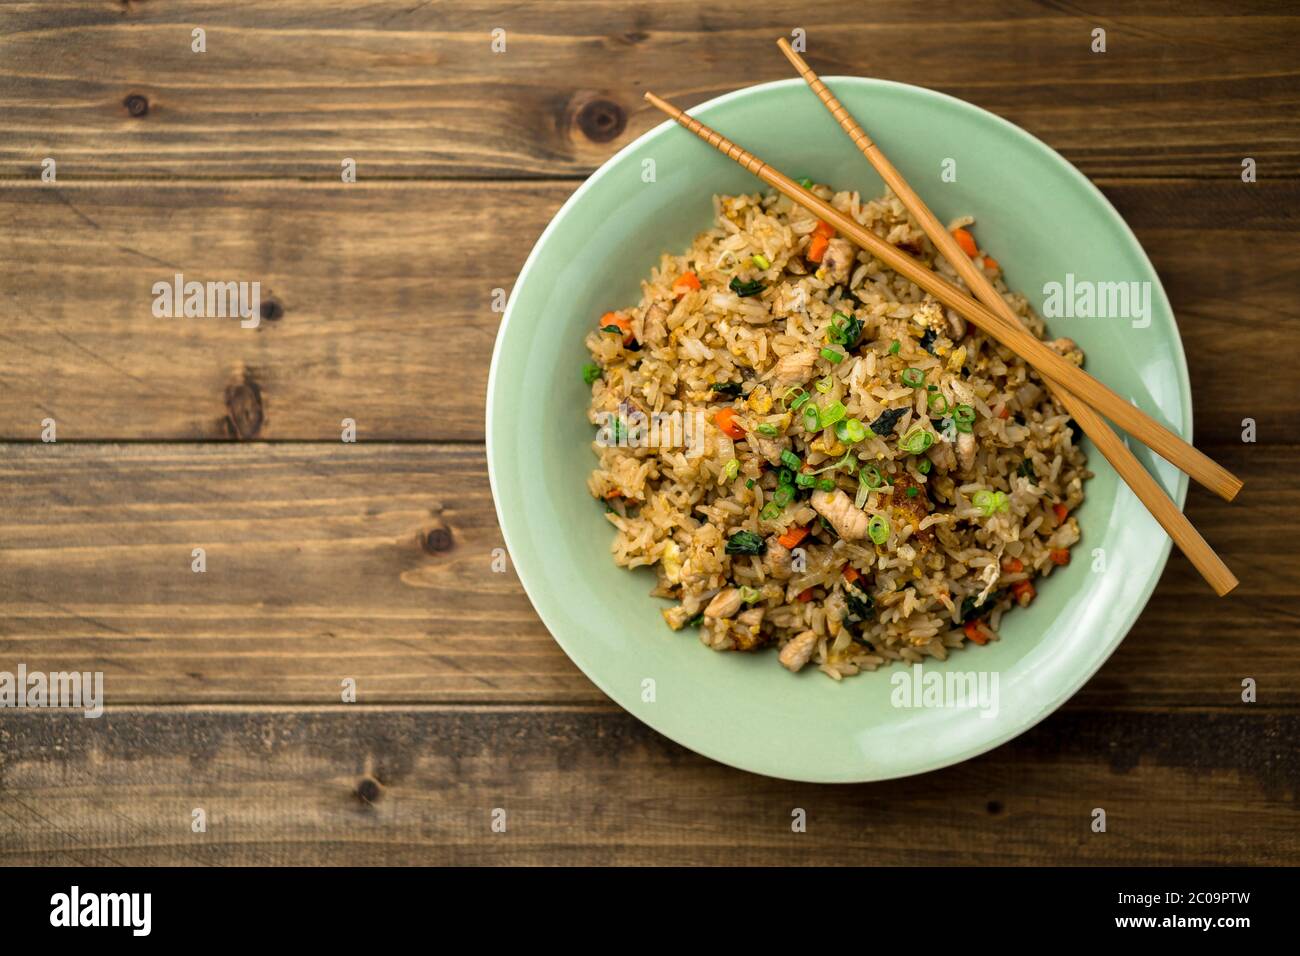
{"points": [[272, 310], [244, 414], [438, 539], [601, 120], [137, 104], [994, 807], [368, 791]]}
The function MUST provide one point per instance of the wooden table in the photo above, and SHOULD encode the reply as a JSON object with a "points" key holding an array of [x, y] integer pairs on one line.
{"points": [[371, 560]]}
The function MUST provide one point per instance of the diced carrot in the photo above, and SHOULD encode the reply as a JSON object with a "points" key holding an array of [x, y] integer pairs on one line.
{"points": [[623, 322], [614, 493], [1024, 592], [851, 574], [805, 595], [793, 536], [726, 419], [817, 248], [966, 241], [974, 630], [1013, 565], [824, 229], [992, 265], [1060, 511], [1004, 412], [685, 283], [1059, 556]]}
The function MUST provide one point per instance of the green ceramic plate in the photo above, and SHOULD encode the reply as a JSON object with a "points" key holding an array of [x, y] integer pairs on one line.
{"points": [[1037, 214]]}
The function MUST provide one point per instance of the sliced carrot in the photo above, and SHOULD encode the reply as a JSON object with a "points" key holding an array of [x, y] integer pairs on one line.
{"points": [[1024, 592], [1013, 565], [966, 241], [805, 595], [817, 248], [1060, 556], [685, 283], [992, 265], [851, 574], [824, 229], [793, 536], [974, 630], [1060, 511], [726, 419], [624, 323]]}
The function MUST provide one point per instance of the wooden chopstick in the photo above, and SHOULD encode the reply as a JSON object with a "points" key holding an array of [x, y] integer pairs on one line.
{"points": [[1133, 420], [1180, 530]]}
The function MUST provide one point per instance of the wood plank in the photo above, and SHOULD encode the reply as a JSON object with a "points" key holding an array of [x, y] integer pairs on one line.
{"points": [[288, 88], [319, 567], [358, 785], [382, 322]]}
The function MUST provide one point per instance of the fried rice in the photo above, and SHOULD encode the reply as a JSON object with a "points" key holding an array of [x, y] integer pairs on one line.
{"points": [[816, 456]]}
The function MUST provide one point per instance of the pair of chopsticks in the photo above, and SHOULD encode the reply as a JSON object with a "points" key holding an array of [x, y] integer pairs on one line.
{"points": [[1084, 397]]}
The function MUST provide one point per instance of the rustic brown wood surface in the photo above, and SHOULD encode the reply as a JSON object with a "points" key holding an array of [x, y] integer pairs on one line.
{"points": [[374, 560]]}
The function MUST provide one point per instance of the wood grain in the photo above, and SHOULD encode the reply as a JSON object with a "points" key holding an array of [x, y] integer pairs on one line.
{"points": [[382, 322], [319, 567], [288, 88], [419, 786]]}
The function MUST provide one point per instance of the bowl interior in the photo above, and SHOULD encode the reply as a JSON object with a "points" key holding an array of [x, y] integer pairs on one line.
{"points": [[1036, 214]]}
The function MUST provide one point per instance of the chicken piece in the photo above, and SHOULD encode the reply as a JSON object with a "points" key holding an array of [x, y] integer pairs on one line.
{"points": [[966, 451], [769, 448], [798, 650], [776, 561], [655, 327], [850, 523], [793, 369], [911, 509], [838, 260], [1068, 349], [725, 604], [942, 456], [690, 606], [836, 608]]}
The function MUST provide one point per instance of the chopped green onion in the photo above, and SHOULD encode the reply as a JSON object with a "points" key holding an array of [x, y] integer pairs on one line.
{"points": [[912, 491], [826, 484], [924, 466], [760, 261], [989, 502], [794, 407], [913, 377], [878, 529], [611, 328], [800, 396], [963, 415], [932, 388], [696, 621], [824, 385], [790, 459], [863, 494], [749, 595], [766, 429], [811, 417], [850, 430], [916, 441], [785, 476], [590, 372], [805, 480], [871, 477], [783, 496], [731, 470], [770, 511], [806, 183], [834, 356], [893, 349], [938, 404], [745, 289], [749, 482], [846, 463], [831, 414]]}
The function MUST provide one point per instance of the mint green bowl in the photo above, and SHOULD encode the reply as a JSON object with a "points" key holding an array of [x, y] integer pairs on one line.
{"points": [[1036, 213]]}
